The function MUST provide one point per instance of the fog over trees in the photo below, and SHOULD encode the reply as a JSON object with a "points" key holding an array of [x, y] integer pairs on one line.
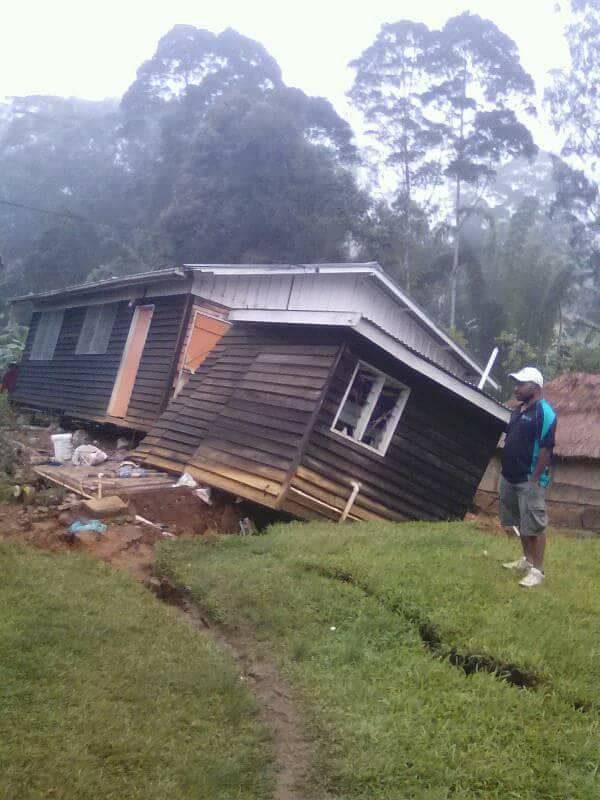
{"points": [[210, 156]]}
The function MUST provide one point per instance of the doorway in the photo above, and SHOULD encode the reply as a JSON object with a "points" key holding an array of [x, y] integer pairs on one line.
{"points": [[130, 362]]}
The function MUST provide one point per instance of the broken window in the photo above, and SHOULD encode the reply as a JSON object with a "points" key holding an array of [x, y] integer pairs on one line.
{"points": [[96, 329], [371, 408], [46, 335]]}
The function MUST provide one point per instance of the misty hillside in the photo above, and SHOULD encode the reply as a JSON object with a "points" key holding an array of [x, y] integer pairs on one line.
{"points": [[210, 156]]}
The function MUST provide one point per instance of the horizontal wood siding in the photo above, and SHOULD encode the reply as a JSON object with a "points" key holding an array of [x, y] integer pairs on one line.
{"points": [[81, 385], [239, 422], [159, 360], [431, 469]]}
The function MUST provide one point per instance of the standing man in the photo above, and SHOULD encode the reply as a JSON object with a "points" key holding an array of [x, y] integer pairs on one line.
{"points": [[526, 472]]}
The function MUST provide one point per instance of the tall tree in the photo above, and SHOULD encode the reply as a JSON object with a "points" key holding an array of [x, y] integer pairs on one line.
{"points": [[573, 100], [252, 186], [477, 84], [390, 78], [573, 97]]}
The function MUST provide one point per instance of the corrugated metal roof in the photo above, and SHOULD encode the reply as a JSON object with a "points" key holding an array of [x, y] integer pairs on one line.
{"points": [[315, 297], [83, 288], [371, 268]]}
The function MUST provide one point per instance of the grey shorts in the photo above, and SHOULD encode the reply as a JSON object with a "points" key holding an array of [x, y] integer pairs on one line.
{"points": [[523, 505]]}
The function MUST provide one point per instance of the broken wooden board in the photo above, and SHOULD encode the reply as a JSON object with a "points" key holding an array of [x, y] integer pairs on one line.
{"points": [[84, 480]]}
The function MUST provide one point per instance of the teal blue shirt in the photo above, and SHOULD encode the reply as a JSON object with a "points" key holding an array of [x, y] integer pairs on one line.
{"points": [[528, 432]]}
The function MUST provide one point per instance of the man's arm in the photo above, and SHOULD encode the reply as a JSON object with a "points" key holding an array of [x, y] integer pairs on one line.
{"points": [[544, 459], [547, 441]]}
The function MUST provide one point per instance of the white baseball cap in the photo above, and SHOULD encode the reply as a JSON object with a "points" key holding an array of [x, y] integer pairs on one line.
{"points": [[528, 375]]}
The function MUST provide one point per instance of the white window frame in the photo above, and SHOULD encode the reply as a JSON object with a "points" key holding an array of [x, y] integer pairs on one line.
{"points": [[367, 409], [46, 335], [96, 330]]}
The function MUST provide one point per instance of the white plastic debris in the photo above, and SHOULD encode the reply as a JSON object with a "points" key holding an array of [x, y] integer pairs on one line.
{"points": [[333, 628], [186, 480], [88, 455], [80, 437], [247, 527], [205, 494], [63, 446]]}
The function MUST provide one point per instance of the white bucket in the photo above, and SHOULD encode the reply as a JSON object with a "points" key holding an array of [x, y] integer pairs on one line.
{"points": [[63, 446]]}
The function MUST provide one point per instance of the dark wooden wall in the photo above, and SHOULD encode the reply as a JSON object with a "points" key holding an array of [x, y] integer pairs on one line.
{"points": [[255, 421], [151, 390], [81, 385], [432, 467], [240, 422]]}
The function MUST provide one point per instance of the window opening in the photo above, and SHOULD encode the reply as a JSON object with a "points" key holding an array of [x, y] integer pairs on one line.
{"points": [[371, 408]]}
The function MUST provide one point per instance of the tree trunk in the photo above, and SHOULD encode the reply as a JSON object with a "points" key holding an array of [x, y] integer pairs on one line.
{"points": [[407, 189], [406, 269], [455, 260]]}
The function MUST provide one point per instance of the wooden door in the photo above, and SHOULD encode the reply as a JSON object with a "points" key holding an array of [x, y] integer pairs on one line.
{"points": [[130, 362], [205, 333]]}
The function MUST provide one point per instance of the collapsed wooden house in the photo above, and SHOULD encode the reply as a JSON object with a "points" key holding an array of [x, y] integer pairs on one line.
{"points": [[321, 390], [573, 497]]}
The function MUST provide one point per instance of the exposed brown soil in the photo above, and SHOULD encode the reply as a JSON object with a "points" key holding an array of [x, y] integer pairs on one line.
{"points": [[184, 513]]}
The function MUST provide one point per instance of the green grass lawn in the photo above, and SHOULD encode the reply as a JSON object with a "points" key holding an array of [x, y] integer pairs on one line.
{"points": [[104, 693], [342, 610]]}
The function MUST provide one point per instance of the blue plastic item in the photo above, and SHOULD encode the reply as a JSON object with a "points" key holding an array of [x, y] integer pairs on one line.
{"points": [[92, 526]]}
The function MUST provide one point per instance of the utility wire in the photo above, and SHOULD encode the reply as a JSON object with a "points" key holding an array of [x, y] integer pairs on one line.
{"points": [[68, 214]]}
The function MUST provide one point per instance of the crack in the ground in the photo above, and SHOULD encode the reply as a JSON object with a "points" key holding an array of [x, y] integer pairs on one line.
{"points": [[470, 663], [293, 752]]}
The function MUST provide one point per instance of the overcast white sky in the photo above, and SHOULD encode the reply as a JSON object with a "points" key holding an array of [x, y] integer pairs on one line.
{"points": [[92, 49]]}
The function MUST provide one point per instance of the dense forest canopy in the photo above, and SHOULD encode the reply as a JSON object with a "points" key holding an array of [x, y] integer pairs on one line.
{"points": [[210, 156]]}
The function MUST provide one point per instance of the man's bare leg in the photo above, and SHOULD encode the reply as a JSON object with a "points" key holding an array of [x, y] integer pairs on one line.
{"points": [[536, 547]]}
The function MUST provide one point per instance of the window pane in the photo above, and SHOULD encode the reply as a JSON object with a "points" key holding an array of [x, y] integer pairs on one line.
{"points": [[46, 335], [96, 329], [104, 327], [87, 329]]}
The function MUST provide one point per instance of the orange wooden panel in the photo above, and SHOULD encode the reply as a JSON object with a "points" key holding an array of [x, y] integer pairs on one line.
{"points": [[205, 334], [130, 362]]}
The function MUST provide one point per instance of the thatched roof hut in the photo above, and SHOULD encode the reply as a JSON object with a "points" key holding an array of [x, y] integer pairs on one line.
{"points": [[576, 398], [574, 494]]}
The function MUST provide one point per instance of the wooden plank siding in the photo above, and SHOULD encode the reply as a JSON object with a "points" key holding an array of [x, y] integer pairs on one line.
{"points": [[81, 385], [151, 391], [255, 420], [432, 467], [241, 420]]}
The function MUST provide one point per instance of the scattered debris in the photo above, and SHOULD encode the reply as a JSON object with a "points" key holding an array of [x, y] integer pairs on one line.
{"points": [[110, 506], [80, 438], [88, 455], [204, 493], [130, 470], [247, 527], [186, 480], [144, 521], [63, 446], [90, 526]]}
